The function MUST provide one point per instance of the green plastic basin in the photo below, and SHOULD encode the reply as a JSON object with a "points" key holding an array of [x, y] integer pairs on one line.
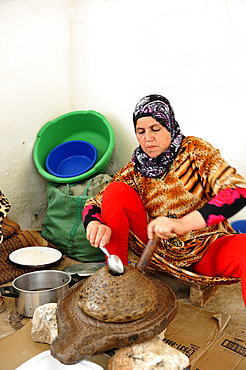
{"points": [[89, 126]]}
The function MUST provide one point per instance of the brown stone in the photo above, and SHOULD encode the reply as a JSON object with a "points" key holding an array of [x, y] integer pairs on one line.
{"points": [[81, 336]]}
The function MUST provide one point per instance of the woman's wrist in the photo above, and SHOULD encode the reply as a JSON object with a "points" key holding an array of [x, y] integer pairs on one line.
{"points": [[193, 221]]}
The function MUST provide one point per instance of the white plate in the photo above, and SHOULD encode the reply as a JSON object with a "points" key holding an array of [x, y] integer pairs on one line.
{"points": [[35, 256], [44, 361]]}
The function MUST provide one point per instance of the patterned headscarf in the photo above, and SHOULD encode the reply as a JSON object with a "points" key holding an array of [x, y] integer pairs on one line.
{"points": [[160, 109]]}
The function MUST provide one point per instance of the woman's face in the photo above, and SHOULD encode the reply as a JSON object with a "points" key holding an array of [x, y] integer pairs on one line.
{"points": [[153, 138]]}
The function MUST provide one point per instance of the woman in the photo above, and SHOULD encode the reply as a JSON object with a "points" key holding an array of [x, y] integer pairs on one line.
{"points": [[179, 188]]}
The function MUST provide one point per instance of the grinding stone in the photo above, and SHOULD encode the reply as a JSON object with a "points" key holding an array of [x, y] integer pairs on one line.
{"points": [[81, 336]]}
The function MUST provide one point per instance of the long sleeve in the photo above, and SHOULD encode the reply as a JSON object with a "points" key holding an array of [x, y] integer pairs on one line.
{"points": [[224, 205], [91, 213]]}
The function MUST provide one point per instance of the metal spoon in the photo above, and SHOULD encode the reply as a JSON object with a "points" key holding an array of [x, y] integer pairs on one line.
{"points": [[114, 262]]}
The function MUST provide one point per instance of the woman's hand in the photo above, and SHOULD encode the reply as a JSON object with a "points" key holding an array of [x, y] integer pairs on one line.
{"points": [[165, 227], [98, 234]]}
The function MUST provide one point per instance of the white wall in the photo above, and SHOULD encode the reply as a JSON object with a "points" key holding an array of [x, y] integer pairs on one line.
{"points": [[60, 55], [192, 52], [34, 88]]}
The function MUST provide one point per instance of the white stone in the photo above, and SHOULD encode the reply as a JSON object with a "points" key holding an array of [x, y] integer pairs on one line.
{"points": [[158, 355], [44, 323], [154, 355]]}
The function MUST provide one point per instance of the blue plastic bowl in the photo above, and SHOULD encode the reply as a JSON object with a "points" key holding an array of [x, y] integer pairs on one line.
{"points": [[239, 226], [71, 158]]}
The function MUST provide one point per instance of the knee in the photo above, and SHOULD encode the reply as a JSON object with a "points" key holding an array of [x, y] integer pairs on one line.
{"points": [[117, 188], [120, 194]]}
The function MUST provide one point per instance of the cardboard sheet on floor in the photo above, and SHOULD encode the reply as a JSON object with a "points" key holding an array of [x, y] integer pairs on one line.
{"points": [[19, 347], [199, 334], [194, 331]]}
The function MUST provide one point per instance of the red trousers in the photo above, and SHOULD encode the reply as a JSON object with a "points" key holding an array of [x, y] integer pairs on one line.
{"points": [[122, 209]]}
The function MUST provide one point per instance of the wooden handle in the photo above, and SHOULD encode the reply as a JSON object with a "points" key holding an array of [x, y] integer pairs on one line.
{"points": [[147, 254]]}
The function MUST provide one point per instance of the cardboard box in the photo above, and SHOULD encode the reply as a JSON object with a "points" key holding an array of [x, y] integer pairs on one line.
{"points": [[199, 334]]}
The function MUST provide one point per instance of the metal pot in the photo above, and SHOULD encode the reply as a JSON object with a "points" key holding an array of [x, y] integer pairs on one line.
{"points": [[37, 288]]}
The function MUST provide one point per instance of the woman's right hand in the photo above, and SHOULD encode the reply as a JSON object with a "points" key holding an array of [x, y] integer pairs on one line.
{"points": [[98, 234]]}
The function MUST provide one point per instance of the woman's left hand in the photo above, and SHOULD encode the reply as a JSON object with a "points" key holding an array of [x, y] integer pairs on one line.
{"points": [[165, 227]]}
